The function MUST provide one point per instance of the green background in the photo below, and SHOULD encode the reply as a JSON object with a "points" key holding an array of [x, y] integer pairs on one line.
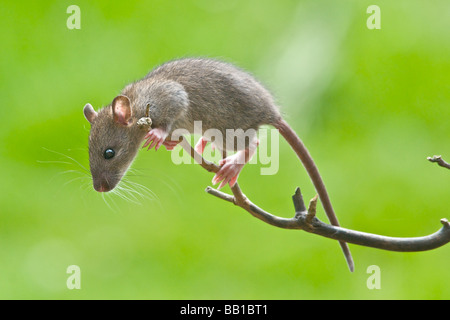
{"points": [[371, 105]]}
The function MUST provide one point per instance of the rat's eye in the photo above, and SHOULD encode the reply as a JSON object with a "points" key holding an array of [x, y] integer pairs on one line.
{"points": [[109, 153]]}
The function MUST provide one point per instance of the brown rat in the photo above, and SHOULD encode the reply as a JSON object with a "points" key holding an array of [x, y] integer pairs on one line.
{"points": [[176, 94]]}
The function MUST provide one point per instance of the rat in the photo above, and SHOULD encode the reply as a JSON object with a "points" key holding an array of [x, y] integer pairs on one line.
{"points": [[176, 94]]}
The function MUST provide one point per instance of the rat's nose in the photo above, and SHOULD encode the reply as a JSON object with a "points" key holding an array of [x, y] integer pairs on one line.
{"points": [[103, 186]]}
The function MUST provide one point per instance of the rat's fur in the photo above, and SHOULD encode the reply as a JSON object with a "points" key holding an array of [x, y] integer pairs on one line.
{"points": [[214, 92]]}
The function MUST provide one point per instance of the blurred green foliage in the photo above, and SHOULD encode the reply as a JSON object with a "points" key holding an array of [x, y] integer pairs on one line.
{"points": [[371, 105]]}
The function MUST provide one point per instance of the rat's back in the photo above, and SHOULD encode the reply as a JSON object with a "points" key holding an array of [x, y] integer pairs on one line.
{"points": [[221, 95]]}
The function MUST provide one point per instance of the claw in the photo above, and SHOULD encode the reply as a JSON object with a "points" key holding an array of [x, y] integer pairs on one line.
{"points": [[216, 179]]}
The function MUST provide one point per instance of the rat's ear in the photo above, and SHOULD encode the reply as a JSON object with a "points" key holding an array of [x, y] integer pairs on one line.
{"points": [[121, 108], [89, 113]]}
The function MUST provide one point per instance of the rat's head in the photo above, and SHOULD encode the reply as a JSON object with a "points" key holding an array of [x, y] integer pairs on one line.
{"points": [[114, 141]]}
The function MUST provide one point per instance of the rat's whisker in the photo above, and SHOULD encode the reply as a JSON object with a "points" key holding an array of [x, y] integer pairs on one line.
{"points": [[54, 161], [142, 189], [74, 179], [108, 204], [122, 194], [84, 174], [132, 172], [128, 185], [86, 185], [131, 192], [166, 179], [68, 157], [134, 194]]}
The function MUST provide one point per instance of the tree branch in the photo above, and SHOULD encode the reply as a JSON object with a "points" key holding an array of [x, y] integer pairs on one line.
{"points": [[305, 219], [439, 161]]}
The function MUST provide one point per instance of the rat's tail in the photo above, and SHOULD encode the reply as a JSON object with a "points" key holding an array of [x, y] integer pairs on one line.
{"points": [[292, 138]]}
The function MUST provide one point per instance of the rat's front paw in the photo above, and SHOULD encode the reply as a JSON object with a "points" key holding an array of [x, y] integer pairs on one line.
{"points": [[156, 137], [170, 144]]}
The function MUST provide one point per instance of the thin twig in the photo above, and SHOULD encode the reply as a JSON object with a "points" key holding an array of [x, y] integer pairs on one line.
{"points": [[439, 161], [308, 222], [305, 219]]}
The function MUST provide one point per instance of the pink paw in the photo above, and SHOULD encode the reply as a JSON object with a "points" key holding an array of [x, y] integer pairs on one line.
{"points": [[228, 173], [156, 137], [200, 146], [170, 144]]}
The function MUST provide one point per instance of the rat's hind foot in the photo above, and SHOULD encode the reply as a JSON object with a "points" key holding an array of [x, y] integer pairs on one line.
{"points": [[229, 171], [156, 136], [232, 166]]}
